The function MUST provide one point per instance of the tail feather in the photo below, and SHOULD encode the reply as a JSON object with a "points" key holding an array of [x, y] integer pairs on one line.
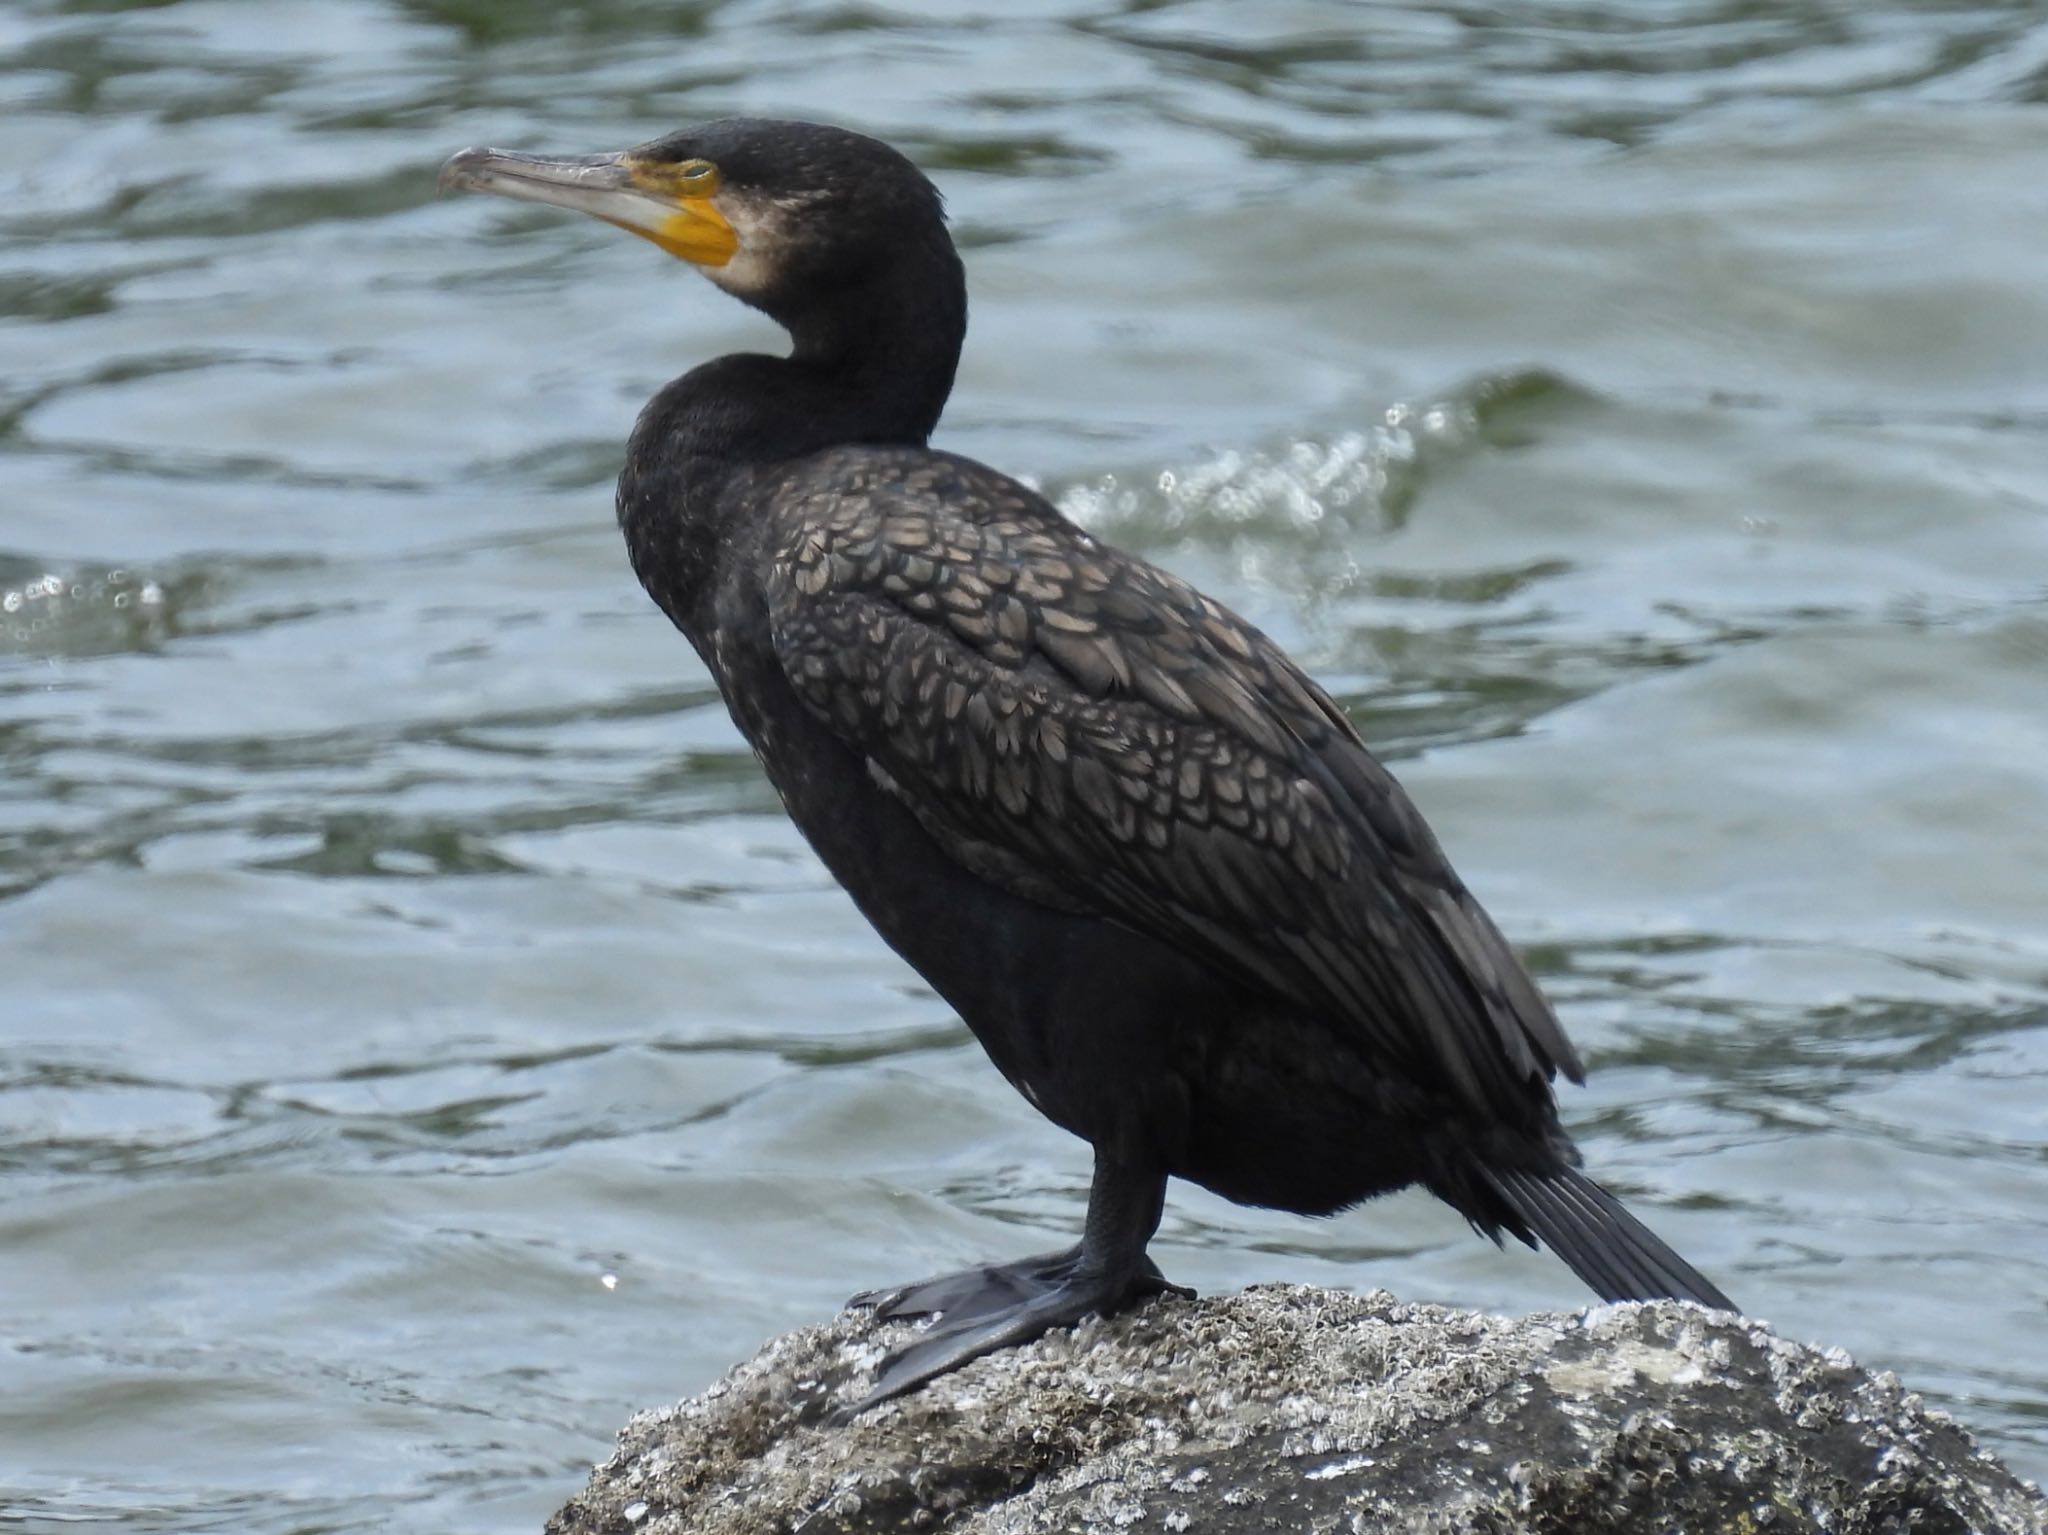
{"points": [[1620, 1257]]}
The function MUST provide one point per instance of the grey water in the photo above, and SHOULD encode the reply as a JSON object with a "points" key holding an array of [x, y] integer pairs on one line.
{"points": [[423, 1042]]}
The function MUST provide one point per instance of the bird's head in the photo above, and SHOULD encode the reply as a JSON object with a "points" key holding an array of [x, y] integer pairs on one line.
{"points": [[780, 214]]}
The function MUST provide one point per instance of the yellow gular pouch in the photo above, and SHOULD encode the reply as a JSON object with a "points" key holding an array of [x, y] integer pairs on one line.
{"points": [[696, 231]]}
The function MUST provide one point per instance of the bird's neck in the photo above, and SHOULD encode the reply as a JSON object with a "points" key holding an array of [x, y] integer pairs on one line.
{"points": [[875, 363], [871, 363]]}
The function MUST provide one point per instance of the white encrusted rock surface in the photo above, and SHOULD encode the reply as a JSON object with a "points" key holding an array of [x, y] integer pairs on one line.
{"points": [[1294, 1409]]}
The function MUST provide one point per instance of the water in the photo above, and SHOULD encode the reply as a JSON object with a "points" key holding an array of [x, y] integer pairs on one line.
{"points": [[423, 1040]]}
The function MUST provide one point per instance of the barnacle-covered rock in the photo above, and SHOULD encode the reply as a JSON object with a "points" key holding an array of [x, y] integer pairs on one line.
{"points": [[1293, 1409]]}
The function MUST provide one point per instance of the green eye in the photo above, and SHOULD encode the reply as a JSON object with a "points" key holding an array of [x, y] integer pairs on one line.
{"points": [[672, 179]]}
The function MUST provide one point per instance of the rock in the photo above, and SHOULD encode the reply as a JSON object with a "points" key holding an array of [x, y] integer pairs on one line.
{"points": [[1293, 1409]]}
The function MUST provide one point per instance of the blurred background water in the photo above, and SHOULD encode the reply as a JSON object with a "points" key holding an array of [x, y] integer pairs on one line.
{"points": [[422, 1039]]}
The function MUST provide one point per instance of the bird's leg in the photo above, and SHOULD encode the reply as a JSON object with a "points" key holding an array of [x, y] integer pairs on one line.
{"points": [[996, 1306]]}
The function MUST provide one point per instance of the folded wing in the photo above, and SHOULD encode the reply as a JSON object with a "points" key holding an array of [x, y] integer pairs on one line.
{"points": [[1086, 730]]}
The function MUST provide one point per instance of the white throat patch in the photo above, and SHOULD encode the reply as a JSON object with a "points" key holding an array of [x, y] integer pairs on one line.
{"points": [[766, 227]]}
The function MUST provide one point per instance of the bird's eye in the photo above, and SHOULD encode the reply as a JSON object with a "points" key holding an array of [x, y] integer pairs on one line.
{"points": [[694, 179]]}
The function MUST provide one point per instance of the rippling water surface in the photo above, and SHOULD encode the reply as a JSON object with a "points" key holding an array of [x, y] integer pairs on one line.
{"points": [[422, 1039]]}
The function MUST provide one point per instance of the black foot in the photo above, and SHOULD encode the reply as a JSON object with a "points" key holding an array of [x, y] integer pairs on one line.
{"points": [[997, 1306], [975, 1292]]}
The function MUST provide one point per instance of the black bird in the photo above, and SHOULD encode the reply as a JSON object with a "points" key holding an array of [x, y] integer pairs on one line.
{"points": [[1147, 859]]}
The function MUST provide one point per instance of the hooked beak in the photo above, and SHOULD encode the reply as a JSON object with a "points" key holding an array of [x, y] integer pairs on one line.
{"points": [[649, 198]]}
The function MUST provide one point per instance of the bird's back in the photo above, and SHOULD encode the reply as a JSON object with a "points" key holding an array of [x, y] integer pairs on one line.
{"points": [[1079, 728]]}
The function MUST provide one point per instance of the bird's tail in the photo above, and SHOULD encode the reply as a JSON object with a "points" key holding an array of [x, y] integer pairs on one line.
{"points": [[1620, 1257]]}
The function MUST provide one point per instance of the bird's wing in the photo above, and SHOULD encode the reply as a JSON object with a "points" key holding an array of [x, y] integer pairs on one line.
{"points": [[1087, 730]]}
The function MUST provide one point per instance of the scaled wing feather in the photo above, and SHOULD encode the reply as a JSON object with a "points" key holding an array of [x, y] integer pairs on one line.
{"points": [[1085, 729]]}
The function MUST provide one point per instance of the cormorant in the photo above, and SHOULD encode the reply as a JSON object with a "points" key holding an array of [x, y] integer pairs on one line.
{"points": [[1149, 861]]}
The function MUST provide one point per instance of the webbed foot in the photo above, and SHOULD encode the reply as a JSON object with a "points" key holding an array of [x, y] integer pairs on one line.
{"points": [[997, 1306], [972, 1292]]}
